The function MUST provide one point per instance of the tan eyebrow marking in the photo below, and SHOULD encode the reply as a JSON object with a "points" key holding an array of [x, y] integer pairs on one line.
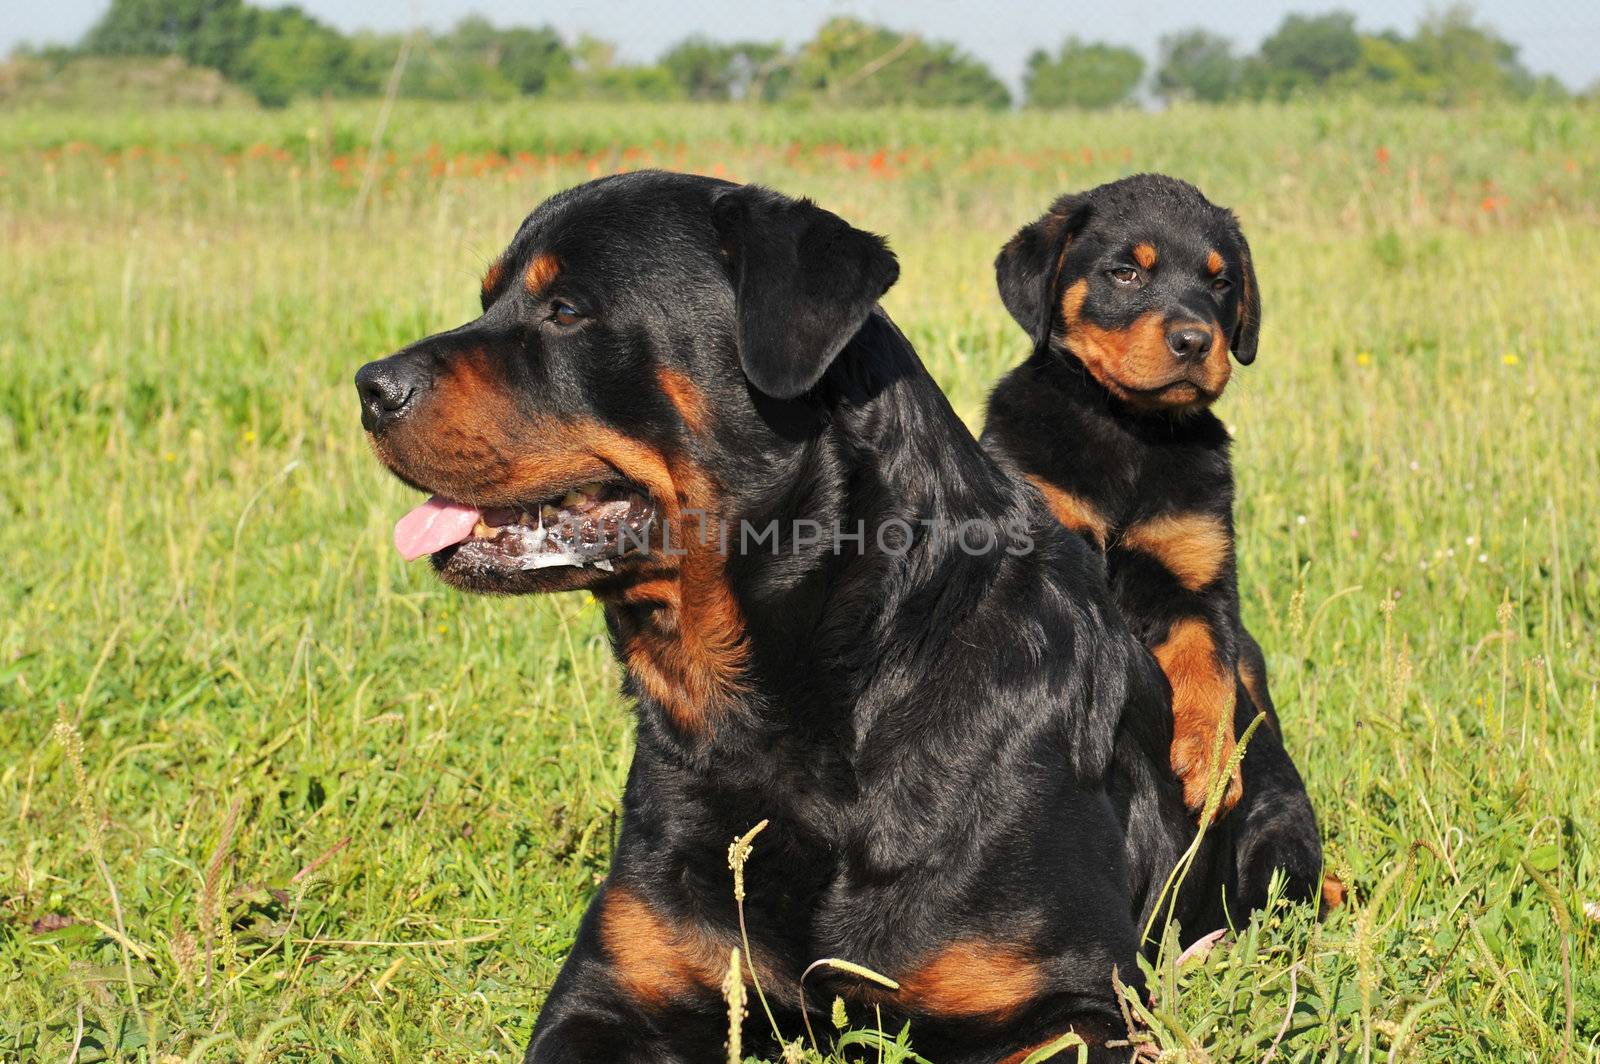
{"points": [[493, 276], [540, 272], [1214, 262], [1145, 255]]}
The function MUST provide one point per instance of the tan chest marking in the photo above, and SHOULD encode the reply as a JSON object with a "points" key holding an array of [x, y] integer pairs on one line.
{"points": [[1194, 547]]}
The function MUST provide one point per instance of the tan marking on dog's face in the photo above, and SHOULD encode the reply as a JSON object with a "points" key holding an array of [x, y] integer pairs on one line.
{"points": [[491, 280], [1074, 511], [1202, 703], [1193, 547], [681, 628], [540, 272], [686, 397], [1214, 262], [1135, 364], [1145, 255], [682, 631], [473, 441]]}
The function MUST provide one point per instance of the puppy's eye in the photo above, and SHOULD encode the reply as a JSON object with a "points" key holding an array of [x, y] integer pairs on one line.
{"points": [[565, 314], [1125, 275], [1221, 284]]}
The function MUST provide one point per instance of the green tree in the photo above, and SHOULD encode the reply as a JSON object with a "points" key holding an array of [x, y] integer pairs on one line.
{"points": [[211, 33], [597, 74], [1196, 64], [854, 62], [1082, 75], [1467, 62], [1304, 55], [292, 54], [528, 59], [1386, 71], [275, 53], [473, 61], [707, 70]]}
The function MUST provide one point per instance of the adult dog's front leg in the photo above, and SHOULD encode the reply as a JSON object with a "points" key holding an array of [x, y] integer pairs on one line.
{"points": [[629, 993]]}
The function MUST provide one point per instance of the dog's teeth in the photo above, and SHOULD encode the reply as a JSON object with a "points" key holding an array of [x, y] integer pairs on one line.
{"points": [[549, 513], [591, 488], [483, 530], [576, 497], [602, 564]]}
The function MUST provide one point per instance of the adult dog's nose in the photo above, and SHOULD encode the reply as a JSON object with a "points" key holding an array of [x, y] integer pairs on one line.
{"points": [[1188, 343], [388, 389]]}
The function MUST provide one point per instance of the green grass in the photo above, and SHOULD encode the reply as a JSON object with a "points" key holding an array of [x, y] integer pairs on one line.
{"points": [[350, 815]]}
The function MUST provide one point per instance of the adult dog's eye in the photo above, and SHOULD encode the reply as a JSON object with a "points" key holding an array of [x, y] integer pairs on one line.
{"points": [[1125, 275], [565, 314], [1221, 284]]}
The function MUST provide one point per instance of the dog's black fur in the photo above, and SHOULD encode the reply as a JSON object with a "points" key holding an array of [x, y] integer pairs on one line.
{"points": [[1133, 293], [961, 754]]}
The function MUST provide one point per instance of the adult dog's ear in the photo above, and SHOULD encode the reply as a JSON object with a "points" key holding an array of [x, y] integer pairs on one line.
{"points": [[1028, 268], [1247, 330], [805, 280]]}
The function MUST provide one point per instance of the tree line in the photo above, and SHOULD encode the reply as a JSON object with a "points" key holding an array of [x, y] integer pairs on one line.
{"points": [[279, 54]]}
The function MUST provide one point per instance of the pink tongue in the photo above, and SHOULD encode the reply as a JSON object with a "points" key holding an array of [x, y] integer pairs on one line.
{"points": [[435, 525]]}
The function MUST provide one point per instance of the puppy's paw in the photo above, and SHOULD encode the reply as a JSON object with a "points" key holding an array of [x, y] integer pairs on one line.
{"points": [[1192, 760]]}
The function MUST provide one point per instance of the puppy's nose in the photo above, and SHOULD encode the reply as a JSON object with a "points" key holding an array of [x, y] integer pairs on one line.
{"points": [[388, 389], [1188, 343]]}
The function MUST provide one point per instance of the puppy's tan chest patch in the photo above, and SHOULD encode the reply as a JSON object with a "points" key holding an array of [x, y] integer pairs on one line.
{"points": [[1194, 547]]}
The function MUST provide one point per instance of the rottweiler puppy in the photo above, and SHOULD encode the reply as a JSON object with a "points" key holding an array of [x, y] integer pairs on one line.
{"points": [[1134, 293], [835, 612]]}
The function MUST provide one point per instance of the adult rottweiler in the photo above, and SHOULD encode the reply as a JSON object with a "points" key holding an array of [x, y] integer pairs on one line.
{"points": [[1133, 294], [835, 612]]}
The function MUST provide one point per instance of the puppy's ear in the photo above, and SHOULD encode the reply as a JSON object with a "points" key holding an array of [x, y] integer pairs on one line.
{"points": [[805, 280], [1028, 267], [1247, 331]]}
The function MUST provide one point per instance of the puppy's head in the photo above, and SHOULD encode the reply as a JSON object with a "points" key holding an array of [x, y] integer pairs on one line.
{"points": [[1145, 282], [634, 325]]}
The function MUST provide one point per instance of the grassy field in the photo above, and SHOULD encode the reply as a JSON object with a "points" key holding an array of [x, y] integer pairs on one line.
{"points": [[267, 792]]}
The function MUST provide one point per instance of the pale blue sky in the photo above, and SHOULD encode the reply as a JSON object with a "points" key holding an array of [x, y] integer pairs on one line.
{"points": [[1560, 37]]}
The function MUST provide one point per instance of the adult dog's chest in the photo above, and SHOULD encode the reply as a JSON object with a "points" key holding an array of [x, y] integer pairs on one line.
{"points": [[853, 858]]}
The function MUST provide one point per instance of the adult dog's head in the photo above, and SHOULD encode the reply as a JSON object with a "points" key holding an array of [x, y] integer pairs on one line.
{"points": [[1144, 282], [631, 319], [626, 397]]}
